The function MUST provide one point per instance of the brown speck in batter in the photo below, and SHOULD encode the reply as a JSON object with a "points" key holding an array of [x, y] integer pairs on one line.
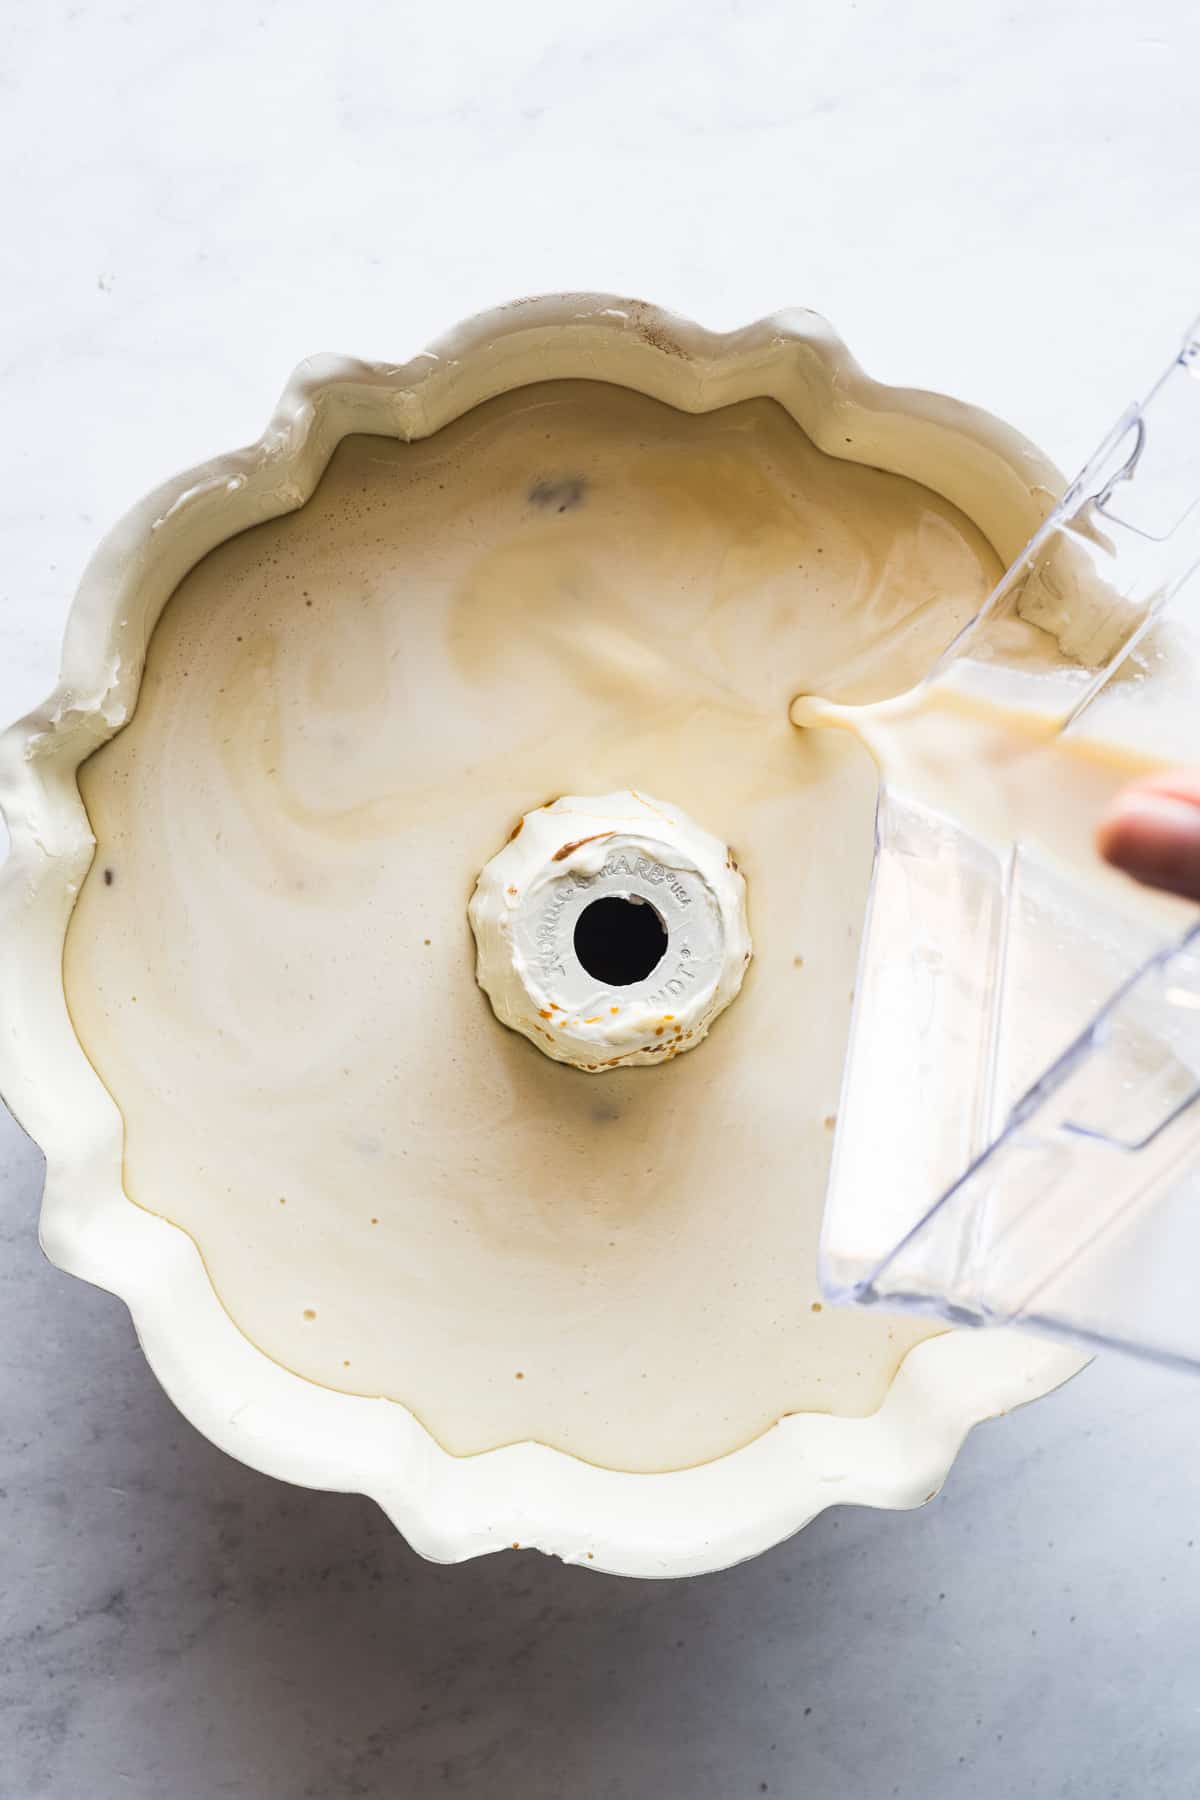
{"points": [[559, 496], [309, 1313], [108, 877]]}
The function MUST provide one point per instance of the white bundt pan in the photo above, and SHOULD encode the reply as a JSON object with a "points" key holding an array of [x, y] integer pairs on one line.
{"points": [[450, 1508]]}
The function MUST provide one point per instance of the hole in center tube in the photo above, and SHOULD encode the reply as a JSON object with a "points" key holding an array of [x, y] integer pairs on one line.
{"points": [[620, 941]]}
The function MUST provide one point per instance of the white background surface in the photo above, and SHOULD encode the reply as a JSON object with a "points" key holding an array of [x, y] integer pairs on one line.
{"points": [[996, 200]]}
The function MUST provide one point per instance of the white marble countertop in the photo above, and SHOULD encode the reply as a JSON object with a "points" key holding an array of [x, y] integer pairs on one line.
{"points": [[994, 201]]}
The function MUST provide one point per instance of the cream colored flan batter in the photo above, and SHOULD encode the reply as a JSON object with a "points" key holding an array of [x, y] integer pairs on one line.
{"points": [[572, 590]]}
